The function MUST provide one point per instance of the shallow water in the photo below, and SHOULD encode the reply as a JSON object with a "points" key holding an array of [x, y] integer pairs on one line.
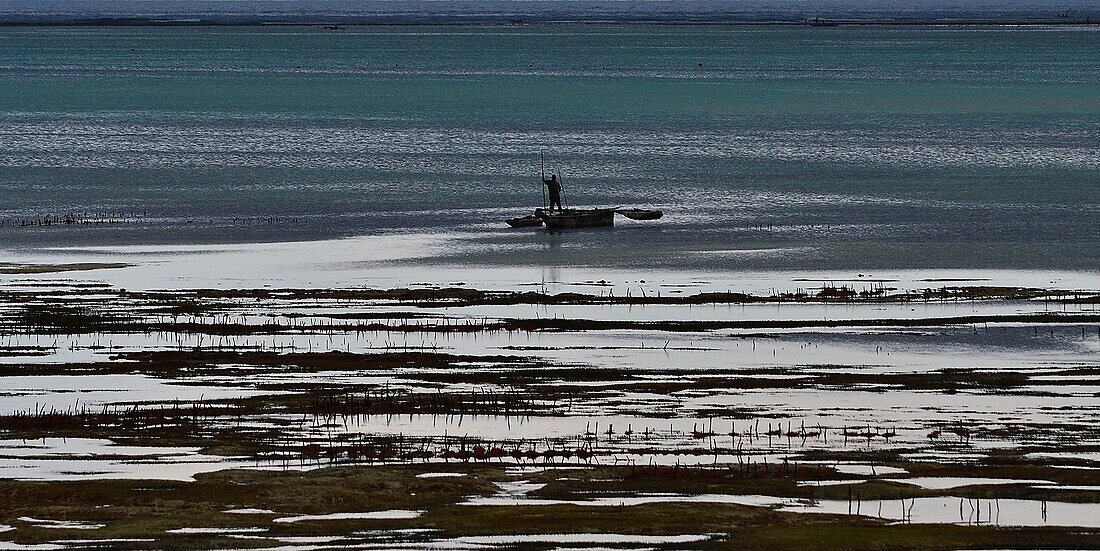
{"points": [[572, 539], [939, 510], [950, 510], [102, 459], [947, 482], [996, 512], [77, 392], [414, 259], [393, 514], [778, 377]]}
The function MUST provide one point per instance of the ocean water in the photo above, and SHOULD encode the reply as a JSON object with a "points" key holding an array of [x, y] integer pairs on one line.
{"points": [[769, 148], [455, 11]]}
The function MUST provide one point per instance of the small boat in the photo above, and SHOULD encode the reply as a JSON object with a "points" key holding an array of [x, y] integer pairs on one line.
{"points": [[567, 218], [529, 221], [818, 22], [577, 218], [641, 214]]}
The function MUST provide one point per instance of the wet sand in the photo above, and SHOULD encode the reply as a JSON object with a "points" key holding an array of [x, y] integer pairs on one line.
{"points": [[7, 268]]}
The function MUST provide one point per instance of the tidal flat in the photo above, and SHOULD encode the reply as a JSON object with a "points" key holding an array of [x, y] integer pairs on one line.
{"points": [[257, 289], [959, 414]]}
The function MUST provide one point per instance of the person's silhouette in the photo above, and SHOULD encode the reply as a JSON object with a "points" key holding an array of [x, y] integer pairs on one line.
{"points": [[553, 187]]}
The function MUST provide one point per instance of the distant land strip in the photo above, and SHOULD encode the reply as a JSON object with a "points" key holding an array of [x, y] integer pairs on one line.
{"points": [[383, 21]]}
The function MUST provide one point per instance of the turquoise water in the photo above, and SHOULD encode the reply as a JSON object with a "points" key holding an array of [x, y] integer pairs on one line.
{"points": [[768, 147]]}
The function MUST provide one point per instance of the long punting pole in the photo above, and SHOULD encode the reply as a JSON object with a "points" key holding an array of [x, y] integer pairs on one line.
{"points": [[542, 177], [561, 188]]}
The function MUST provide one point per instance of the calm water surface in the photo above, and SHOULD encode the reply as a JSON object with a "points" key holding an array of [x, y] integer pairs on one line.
{"points": [[768, 147]]}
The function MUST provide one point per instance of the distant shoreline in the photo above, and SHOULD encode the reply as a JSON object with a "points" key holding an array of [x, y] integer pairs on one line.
{"points": [[809, 22]]}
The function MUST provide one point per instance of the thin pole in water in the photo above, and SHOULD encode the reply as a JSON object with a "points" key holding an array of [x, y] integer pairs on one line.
{"points": [[561, 187], [542, 177]]}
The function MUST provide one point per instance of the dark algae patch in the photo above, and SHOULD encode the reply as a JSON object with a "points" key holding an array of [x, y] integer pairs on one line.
{"points": [[235, 509]]}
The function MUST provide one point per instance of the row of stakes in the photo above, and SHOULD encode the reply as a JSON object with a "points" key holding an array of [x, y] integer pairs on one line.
{"points": [[586, 445]]}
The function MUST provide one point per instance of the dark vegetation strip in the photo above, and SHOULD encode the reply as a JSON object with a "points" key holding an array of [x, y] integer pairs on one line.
{"points": [[381, 401], [538, 377], [57, 321], [456, 296], [560, 324]]}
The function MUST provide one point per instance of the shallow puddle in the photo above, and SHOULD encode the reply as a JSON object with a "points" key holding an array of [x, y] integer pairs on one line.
{"points": [[947, 483], [394, 514], [605, 539], [61, 524]]}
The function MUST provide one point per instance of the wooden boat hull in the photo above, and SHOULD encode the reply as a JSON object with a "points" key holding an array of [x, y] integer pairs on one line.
{"points": [[577, 218], [641, 214]]}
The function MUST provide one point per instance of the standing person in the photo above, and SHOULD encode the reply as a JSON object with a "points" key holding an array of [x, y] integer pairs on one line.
{"points": [[553, 186]]}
